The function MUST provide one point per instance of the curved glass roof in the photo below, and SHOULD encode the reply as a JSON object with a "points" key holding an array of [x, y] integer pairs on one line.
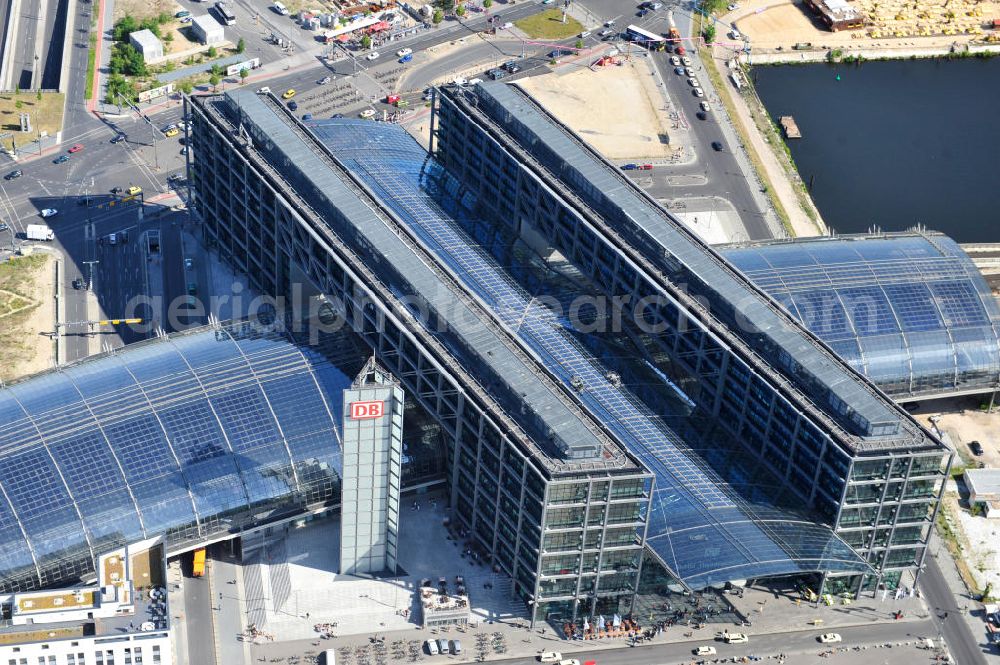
{"points": [[707, 528], [189, 435], [911, 311]]}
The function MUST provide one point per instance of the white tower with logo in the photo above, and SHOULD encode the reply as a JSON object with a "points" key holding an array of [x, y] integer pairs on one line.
{"points": [[373, 450]]}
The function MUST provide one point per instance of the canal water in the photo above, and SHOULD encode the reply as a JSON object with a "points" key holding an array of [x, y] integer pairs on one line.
{"points": [[897, 143]]}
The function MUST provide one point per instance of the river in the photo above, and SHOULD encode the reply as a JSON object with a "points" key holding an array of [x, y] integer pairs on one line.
{"points": [[897, 143]]}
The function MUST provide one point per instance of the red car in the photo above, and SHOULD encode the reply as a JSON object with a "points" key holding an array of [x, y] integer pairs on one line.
{"points": [[76, 148], [646, 167]]}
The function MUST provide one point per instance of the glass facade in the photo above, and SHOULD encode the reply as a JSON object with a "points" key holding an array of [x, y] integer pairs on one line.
{"points": [[192, 435], [911, 311]]}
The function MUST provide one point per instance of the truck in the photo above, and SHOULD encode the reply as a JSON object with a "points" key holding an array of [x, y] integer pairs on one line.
{"points": [[39, 232], [673, 34], [198, 567]]}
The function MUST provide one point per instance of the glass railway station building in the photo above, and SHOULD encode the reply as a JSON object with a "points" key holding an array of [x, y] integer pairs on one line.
{"points": [[709, 439]]}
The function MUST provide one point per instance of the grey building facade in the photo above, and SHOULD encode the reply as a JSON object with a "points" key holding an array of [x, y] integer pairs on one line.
{"points": [[564, 471]]}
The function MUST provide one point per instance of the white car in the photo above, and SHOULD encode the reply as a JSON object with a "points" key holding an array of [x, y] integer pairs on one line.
{"points": [[367, 113], [830, 638], [675, 61], [693, 82], [374, 55], [403, 51], [686, 61], [461, 80], [475, 81], [704, 651], [432, 647], [569, 661], [698, 92], [549, 657], [705, 106], [263, 91], [49, 212], [735, 638]]}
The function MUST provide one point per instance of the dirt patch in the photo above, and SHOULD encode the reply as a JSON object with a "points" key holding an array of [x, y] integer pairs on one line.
{"points": [[972, 425], [140, 9], [889, 23], [27, 285], [616, 109], [46, 115]]}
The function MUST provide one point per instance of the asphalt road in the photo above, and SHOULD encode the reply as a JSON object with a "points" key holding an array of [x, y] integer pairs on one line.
{"points": [[947, 619], [198, 620], [796, 645]]}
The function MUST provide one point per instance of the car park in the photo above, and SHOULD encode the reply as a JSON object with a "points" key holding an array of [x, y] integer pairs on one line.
{"points": [[374, 55], [717, 146], [49, 212], [14, 175], [976, 448], [704, 651], [549, 657], [830, 638]]}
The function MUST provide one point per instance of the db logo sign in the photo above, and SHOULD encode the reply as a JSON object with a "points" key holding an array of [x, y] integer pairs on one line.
{"points": [[363, 410]]}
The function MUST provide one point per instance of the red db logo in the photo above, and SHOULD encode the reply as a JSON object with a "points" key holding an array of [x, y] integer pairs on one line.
{"points": [[363, 410]]}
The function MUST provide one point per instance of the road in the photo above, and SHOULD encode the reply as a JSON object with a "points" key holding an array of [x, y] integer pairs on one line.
{"points": [[947, 617], [198, 608], [38, 44], [798, 646]]}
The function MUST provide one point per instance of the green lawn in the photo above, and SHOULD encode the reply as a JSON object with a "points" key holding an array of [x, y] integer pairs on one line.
{"points": [[91, 64], [549, 25]]}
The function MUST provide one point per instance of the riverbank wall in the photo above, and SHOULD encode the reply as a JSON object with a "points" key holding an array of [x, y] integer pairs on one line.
{"points": [[793, 57]]}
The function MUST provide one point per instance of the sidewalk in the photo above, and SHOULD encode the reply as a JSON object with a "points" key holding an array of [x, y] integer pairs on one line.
{"points": [[228, 623]]}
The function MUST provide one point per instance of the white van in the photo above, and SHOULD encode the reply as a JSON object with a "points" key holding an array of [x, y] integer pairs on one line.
{"points": [[432, 647], [280, 8], [735, 638]]}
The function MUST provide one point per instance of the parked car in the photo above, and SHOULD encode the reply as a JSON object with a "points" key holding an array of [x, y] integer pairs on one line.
{"points": [[511, 67], [549, 657], [830, 638], [404, 52], [701, 115], [735, 638], [170, 133], [686, 61], [675, 61], [78, 283], [288, 94], [976, 448], [14, 175], [698, 92], [717, 146], [134, 189], [680, 71], [732, 7], [118, 138], [4, 227], [49, 212], [307, 116], [432, 647], [324, 80], [704, 651], [705, 106], [456, 647], [293, 105], [182, 14]]}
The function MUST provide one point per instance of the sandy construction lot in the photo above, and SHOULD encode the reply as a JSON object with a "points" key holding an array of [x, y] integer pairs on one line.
{"points": [[595, 103], [890, 23], [26, 315]]}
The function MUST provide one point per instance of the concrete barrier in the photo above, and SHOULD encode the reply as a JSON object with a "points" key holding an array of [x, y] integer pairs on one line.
{"points": [[12, 20], [70, 24]]}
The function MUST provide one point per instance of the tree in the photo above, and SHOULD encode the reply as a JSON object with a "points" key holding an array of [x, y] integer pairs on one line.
{"points": [[185, 87], [212, 53], [244, 73], [437, 17], [366, 42], [217, 70], [710, 33], [460, 10], [487, 4], [124, 27], [214, 80], [241, 46], [169, 37], [579, 43], [38, 95], [446, 5], [119, 85]]}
